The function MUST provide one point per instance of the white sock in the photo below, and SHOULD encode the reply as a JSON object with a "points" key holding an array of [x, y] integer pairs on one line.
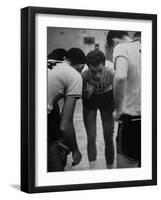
{"points": [[113, 166], [92, 164]]}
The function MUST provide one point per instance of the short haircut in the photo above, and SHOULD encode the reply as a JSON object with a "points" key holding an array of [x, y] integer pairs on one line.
{"points": [[76, 56], [58, 54], [137, 34], [95, 58], [115, 34]]}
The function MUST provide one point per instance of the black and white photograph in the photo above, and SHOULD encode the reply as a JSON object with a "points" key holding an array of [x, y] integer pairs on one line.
{"points": [[89, 91], [94, 99]]}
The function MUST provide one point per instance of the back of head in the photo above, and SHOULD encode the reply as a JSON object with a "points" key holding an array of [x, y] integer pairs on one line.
{"points": [[95, 57], [58, 54], [115, 34], [137, 35], [76, 56]]}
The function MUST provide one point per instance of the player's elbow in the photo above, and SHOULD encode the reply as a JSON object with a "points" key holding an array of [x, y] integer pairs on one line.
{"points": [[65, 126]]}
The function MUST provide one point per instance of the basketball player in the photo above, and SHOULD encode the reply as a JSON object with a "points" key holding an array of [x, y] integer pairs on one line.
{"points": [[98, 95], [127, 96], [64, 81]]}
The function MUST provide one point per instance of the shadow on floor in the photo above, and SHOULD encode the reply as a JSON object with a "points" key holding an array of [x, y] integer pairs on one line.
{"points": [[15, 186]]}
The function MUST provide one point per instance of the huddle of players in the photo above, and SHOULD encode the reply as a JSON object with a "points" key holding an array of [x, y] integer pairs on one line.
{"points": [[115, 92]]}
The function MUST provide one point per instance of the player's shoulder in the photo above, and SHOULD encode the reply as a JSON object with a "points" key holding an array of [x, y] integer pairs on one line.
{"points": [[68, 73], [123, 49], [121, 46], [67, 69], [126, 45], [109, 64], [74, 75]]}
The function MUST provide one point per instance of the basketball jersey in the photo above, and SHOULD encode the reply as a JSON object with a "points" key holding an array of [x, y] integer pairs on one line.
{"points": [[132, 98]]}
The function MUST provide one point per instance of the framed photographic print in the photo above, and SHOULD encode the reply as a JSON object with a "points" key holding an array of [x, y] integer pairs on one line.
{"points": [[88, 99]]}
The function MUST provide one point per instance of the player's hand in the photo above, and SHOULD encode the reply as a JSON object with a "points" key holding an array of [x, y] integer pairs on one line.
{"points": [[88, 91], [77, 157], [116, 116]]}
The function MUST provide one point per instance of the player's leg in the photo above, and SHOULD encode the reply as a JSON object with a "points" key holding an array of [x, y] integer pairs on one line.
{"points": [[89, 117], [129, 144], [55, 160], [108, 130]]}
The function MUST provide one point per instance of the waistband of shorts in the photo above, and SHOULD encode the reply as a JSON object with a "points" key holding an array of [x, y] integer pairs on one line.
{"points": [[125, 117], [108, 92]]}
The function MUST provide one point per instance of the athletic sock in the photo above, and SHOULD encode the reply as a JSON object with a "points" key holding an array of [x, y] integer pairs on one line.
{"points": [[92, 164], [110, 166]]}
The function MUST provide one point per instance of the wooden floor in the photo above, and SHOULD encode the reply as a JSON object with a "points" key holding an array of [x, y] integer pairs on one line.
{"points": [[82, 142]]}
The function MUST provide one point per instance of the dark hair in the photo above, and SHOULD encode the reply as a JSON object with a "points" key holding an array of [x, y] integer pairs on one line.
{"points": [[76, 56], [137, 34], [58, 54], [115, 34], [95, 57]]}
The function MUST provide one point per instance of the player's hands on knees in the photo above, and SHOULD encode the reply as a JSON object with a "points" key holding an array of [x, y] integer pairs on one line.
{"points": [[87, 92], [77, 157], [116, 116]]}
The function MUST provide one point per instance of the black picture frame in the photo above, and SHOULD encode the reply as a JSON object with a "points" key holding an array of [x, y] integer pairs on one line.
{"points": [[28, 98]]}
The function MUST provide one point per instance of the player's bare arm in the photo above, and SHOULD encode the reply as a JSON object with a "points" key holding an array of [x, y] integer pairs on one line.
{"points": [[119, 84], [67, 128]]}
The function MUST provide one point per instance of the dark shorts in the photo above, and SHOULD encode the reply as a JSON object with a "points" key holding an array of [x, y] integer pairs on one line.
{"points": [[100, 101], [129, 138], [57, 154], [53, 124]]}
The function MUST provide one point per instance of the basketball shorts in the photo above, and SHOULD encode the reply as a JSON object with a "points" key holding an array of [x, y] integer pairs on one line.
{"points": [[129, 138], [100, 101]]}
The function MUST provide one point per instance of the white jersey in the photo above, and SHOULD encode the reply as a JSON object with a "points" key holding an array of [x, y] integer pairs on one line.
{"points": [[63, 80], [132, 99]]}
